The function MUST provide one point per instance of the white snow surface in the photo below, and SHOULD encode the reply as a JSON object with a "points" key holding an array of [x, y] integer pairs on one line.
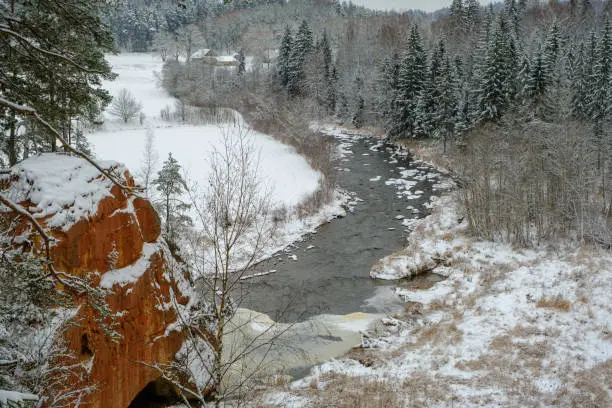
{"points": [[130, 273], [64, 187], [15, 398], [288, 174]]}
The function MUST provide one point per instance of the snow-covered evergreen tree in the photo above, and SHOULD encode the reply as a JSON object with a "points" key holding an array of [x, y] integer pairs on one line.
{"points": [[600, 101], [171, 185], [445, 118], [411, 83], [498, 87], [472, 15], [538, 82], [241, 63], [284, 56], [302, 47]]}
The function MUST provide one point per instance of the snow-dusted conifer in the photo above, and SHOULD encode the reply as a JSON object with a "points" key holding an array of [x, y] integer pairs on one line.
{"points": [[284, 56], [302, 46], [411, 83], [600, 101], [446, 103], [170, 184], [498, 85]]}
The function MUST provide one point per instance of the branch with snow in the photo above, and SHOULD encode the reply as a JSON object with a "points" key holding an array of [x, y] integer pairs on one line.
{"points": [[26, 110]]}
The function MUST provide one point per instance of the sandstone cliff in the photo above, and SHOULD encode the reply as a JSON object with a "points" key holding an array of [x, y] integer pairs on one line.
{"points": [[113, 240]]}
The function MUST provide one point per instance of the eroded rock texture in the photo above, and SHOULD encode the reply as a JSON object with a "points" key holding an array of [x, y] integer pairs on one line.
{"points": [[114, 241]]}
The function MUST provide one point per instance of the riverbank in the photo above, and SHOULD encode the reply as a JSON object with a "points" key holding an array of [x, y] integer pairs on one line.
{"points": [[506, 327]]}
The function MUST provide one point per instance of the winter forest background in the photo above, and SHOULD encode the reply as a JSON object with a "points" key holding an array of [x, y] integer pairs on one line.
{"points": [[516, 96], [513, 84]]}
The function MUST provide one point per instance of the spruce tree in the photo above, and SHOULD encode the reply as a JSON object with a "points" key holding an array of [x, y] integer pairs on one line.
{"points": [[446, 103], [325, 49], [552, 48], [387, 87], [299, 53], [537, 86], [498, 86], [472, 15], [426, 114], [600, 101], [579, 85], [332, 90], [284, 56], [411, 83], [457, 16]]}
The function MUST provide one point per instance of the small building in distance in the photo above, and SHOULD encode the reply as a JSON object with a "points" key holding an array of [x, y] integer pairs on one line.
{"points": [[210, 57], [205, 55]]}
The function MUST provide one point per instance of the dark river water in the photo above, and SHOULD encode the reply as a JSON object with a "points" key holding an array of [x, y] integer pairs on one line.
{"points": [[331, 273]]}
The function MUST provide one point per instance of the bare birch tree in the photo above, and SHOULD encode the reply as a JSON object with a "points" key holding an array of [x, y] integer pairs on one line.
{"points": [[125, 106], [223, 355], [149, 161]]}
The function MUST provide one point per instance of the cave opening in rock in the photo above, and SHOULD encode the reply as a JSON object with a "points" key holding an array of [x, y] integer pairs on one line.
{"points": [[85, 349], [158, 393]]}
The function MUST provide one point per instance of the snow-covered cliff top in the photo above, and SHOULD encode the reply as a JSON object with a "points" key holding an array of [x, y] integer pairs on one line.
{"points": [[64, 187]]}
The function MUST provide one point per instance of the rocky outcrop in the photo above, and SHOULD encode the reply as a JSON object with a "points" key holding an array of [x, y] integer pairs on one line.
{"points": [[112, 240]]}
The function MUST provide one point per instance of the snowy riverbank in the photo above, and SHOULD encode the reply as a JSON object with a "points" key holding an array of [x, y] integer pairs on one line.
{"points": [[503, 327]]}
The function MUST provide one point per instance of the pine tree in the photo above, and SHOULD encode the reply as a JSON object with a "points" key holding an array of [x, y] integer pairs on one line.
{"points": [[325, 49], [537, 86], [387, 87], [332, 91], [472, 15], [580, 79], [170, 184], [457, 15], [284, 56], [59, 89], [359, 107], [426, 115], [359, 112], [513, 15], [552, 47]]}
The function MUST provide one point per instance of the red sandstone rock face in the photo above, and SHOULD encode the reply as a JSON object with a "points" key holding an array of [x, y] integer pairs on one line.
{"points": [[112, 238]]}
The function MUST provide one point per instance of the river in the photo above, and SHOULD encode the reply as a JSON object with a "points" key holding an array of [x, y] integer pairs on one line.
{"points": [[328, 272]]}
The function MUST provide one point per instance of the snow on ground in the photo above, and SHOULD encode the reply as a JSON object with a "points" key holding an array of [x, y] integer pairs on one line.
{"points": [[15, 398], [507, 327], [140, 74], [288, 174]]}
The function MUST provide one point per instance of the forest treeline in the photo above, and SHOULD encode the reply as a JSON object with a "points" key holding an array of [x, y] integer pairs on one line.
{"points": [[499, 86]]}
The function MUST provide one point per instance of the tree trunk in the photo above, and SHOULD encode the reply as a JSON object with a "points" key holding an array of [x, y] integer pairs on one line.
{"points": [[168, 215], [11, 144]]}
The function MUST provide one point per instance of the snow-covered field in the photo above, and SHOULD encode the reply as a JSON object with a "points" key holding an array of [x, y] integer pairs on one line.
{"points": [[286, 173], [507, 327]]}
